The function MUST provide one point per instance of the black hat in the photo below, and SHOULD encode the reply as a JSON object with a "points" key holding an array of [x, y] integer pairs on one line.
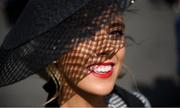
{"points": [[32, 42]]}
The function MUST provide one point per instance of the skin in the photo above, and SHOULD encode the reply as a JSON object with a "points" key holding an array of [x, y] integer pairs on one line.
{"points": [[94, 88]]}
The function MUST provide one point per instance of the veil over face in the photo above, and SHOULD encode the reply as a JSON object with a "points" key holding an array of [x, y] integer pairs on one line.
{"points": [[96, 37]]}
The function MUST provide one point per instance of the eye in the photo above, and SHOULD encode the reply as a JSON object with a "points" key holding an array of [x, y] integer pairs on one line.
{"points": [[116, 33], [116, 28]]}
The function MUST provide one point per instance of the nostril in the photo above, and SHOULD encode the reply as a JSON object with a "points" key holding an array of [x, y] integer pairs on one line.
{"points": [[102, 54], [105, 53]]}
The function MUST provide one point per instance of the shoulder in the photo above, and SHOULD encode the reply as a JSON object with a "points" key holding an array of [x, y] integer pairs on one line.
{"points": [[132, 99]]}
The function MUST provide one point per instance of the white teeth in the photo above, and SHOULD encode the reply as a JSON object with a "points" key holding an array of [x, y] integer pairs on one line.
{"points": [[101, 69]]}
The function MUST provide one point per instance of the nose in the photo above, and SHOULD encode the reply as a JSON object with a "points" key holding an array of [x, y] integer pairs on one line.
{"points": [[110, 48]]}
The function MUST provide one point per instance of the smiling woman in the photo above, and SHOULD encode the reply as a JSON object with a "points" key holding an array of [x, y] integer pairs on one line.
{"points": [[81, 44], [92, 63]]}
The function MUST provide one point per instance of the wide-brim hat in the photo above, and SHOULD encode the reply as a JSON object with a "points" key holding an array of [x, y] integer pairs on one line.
{"points": [[30, 45]]}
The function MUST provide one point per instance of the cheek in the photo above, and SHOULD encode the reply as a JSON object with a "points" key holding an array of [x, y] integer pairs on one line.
{"points": [[119, 59], [120, 55], [73, 66]]}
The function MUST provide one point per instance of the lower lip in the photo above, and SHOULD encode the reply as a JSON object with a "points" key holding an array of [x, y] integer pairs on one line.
{"points": [[104, 75]]}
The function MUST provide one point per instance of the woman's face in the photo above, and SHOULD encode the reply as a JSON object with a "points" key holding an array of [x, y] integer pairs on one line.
{"points": [[93, 65], [95, 61]]}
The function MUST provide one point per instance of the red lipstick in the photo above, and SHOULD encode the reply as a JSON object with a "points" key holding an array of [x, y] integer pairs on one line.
{"points": [[101, 70]]}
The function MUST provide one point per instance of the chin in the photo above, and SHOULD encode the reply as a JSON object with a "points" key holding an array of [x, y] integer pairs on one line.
{"points": [[97, 86], [102, 90]]}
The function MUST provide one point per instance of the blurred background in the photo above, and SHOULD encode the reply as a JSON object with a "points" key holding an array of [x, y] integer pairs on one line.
{"points": [[153, 60]]}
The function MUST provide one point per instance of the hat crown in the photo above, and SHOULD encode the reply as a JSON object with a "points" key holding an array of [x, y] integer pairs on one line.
{"points": [[40, 15], [37, 17]]}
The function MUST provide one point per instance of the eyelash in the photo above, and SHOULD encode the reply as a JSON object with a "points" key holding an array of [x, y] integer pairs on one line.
{"points": [[116, 32]]}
